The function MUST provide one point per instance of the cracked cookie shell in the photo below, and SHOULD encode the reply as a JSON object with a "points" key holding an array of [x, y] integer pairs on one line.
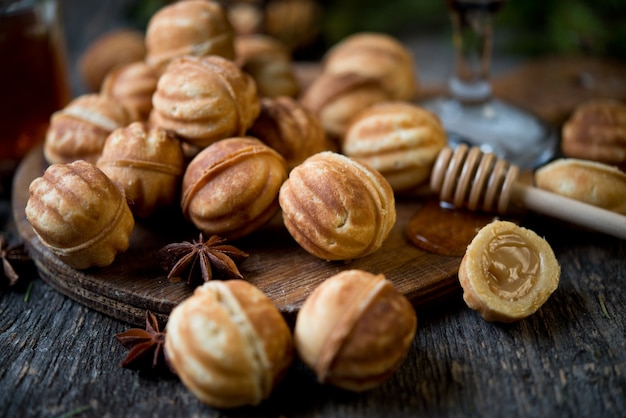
{"points": [[337, 208], [508, 272], [80, 214]]}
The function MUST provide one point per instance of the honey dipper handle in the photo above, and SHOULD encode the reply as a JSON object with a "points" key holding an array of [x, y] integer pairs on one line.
{"points": [[567, 209]]}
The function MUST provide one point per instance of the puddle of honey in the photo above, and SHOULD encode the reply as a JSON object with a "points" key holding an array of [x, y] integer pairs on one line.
{"points": [[445, 231]]}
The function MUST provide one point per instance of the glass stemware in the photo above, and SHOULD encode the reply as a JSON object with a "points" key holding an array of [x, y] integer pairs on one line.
{"points": [[470, 113]]}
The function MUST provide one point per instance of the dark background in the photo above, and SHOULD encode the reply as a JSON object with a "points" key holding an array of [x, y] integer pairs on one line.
{"points": [[534, 26], [524, 28]]}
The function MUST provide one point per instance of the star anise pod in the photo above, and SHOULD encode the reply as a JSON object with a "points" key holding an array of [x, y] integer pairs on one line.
{"points": [[14, 258], [147, 347], [188, 260]]}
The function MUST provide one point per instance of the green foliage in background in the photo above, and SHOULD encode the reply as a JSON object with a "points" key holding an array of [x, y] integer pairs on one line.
{"points": [[595, 27], [344, 17]]}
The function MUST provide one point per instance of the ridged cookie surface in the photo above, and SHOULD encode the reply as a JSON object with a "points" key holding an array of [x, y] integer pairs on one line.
{"points": [[337, 208]]}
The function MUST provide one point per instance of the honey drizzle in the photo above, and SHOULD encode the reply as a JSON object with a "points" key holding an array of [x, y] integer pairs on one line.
{"points": [[444, 231]]}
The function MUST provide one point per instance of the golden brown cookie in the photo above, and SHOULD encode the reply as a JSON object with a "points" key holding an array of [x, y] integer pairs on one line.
{"points": [[297, 23], [246, 18], [205, 99], [193, 27], [337, 208], [109, 51], [591, 182], [354, 330], [147, 162], [231, 187], [80, 214], [597, 131], [269, 63], [379, 56], [290, 129], [79, 130], [337, 98], [132, 85], [399, 139], [229, 344]]}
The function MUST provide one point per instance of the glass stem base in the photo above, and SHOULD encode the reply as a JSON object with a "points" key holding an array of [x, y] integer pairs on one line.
{"points": [[495, 126]]}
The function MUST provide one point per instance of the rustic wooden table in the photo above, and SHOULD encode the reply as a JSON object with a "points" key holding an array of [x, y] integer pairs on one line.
{"points": [[569, 359], [60, 358]]}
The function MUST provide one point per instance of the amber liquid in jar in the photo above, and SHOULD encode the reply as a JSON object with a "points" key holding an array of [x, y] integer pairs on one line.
{"points": [[33, 79]]}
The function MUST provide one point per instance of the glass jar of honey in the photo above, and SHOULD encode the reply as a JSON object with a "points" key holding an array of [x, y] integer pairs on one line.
{"points": [[33, 78]]}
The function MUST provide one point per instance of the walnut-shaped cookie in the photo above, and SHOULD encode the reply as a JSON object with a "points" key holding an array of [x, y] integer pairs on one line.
{"points": [[292, 130], [247, 18], [205, 99], [597, 131], [337, 98], [229, 344], [297, 23], [269, 63], [192, 27], [376, 55], [231, 187], [591, 182], [110, 50], [147, 162], [354, 330], [399, 139], [80, 214], [132, 85], [337, 208], [79, 130]]}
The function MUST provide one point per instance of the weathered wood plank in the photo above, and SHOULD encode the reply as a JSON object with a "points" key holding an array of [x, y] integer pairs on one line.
{"points": [[567, 360]]}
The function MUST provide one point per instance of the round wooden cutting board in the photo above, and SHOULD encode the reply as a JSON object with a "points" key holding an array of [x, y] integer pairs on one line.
{"points": [[287, 274]]}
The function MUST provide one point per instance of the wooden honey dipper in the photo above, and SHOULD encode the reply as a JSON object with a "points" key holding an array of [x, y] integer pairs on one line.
{"points": [[469, 178]]}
